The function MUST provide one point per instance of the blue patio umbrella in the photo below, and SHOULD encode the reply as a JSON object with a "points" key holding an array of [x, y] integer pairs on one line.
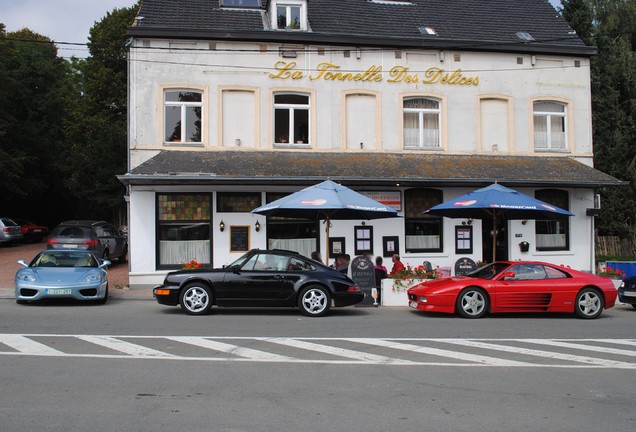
{"points": [[327, 201], [497, 201]]}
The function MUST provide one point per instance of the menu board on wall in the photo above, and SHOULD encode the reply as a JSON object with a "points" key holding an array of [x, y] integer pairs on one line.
{"points": [[239, 238]]}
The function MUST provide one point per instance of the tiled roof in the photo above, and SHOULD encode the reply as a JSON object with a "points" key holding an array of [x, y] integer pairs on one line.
{"points": [[460, 24], [269, 167]]}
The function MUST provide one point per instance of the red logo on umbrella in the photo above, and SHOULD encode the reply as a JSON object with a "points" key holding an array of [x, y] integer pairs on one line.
{"points": [[464, 203], [548, 207]]}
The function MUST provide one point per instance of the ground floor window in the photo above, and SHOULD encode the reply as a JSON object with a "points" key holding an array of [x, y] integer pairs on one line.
{"points": [[184, 229], [300, 235], [553, 235], [423, 232]]}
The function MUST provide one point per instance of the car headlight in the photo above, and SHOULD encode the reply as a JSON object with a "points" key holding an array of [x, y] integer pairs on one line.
{"points": [[622, 285], [93, 277], [25, 277], [423, 299]]}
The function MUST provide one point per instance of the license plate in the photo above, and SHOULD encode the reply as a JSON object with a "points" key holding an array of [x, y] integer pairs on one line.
{"points": [[629, 293], [413, 304], [37, 230], [59, 291], [70, 246]]}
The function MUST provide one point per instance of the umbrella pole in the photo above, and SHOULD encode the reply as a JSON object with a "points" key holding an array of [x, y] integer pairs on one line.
{"points": [[494, 237], [327, 245]]}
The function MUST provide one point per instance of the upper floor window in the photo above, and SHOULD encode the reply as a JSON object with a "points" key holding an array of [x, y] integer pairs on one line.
{"points": [[291, 119], [183, 116], [549, 125], [422, 123], [289, 14], [241, 3]]}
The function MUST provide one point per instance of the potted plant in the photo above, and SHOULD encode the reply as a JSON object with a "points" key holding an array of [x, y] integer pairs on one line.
{"points": [[394, 288]]}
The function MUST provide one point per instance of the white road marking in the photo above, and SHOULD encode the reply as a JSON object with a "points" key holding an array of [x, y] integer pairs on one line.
{"points": [[584, 347], [473, 358], [25, 345], [337, 351], [124, 347], [537, 353], [230, 349]]}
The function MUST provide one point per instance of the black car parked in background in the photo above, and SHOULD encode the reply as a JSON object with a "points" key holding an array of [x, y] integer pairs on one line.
{"points": [[627, 291], [99, 237], [260, 278]]}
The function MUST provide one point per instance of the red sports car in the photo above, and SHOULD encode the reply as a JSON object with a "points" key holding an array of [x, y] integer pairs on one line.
{"points": [[519, 286]]}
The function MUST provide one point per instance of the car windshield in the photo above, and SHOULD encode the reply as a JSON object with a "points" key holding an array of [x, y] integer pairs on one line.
{"points": [[489, 271], [64, 259], [239, 262]]}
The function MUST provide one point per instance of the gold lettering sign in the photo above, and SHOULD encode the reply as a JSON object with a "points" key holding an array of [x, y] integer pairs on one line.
{"points": [[327, 71]]}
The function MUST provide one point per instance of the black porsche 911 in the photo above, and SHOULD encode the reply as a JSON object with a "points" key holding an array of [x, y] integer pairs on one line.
{"points": [[260, 278]]}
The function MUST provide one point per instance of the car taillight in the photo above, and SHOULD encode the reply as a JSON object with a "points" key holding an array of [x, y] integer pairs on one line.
{"points": [[90, 243], [51, 242], [6, 229], [353, 289]]}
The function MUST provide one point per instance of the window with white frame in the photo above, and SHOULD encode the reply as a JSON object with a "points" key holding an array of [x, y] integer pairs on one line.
{"points": [[183, 116], [422, 123], [552, 235], [291, 119], [289, 14], [423, 233], [549, 125]]}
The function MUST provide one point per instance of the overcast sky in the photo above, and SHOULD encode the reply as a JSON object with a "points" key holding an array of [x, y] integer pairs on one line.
{"points": [[64, 20]]}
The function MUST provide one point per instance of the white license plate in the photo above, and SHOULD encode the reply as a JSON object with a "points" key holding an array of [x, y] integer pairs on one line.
{"points": [[629, 293], [37, 230], [59, 291], [413, 304], [70, 246]]}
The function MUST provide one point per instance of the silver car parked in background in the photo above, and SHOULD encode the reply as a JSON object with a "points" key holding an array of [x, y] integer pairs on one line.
{"points": [[9, 231], [99, 237]]}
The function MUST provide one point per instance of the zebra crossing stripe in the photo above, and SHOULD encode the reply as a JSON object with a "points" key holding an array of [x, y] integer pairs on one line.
{"points": [[230, 349], [493, 361], [616, 341], [538, 353], [585, 347], [25, 345], [340, 352], [124, 347]]}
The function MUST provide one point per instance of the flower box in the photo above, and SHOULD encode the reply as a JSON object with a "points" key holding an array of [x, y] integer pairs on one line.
{"points": [[393, 295]]}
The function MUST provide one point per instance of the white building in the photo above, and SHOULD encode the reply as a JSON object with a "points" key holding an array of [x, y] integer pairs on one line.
{"points": [[234, 103]]}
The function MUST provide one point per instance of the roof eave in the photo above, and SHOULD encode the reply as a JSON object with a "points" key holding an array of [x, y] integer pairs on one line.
{"points": [[359, 40], [211, 179]]}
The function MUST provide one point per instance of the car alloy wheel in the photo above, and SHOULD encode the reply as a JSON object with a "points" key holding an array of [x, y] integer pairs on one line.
{"points": [[314, 301], [472, 303], [588, 304], [196, 299]]}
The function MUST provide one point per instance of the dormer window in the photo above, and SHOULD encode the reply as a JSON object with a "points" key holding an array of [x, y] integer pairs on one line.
{"points": [[289, 14]]}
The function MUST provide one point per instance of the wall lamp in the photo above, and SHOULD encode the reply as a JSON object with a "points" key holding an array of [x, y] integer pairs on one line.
{"points": [[222, 226], [257, 226]]}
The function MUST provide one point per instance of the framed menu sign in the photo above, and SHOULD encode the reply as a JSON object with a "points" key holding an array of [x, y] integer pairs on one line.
{"points": [[239, 238]]}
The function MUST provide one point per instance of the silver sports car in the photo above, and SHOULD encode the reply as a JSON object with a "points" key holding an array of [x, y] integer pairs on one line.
{"points": [[62, 274]]}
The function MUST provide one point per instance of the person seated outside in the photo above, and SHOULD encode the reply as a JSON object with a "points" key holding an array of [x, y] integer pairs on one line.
{"points": [[397, 265], [343, 266]]}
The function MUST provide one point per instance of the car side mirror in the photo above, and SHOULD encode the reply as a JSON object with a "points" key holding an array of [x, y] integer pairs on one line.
{"points": [[236, 269], [509, 275], [21, 262]]}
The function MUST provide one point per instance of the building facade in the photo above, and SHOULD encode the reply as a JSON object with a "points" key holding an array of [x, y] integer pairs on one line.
{"points": [[235, 103]]}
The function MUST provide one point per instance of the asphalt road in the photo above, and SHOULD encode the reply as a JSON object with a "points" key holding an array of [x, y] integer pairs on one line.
{"points": [[138, 366]]}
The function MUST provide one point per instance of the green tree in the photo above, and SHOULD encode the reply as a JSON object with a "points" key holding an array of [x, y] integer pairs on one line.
{"points": [[610, 25], [32, 100], [97, 123]]}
